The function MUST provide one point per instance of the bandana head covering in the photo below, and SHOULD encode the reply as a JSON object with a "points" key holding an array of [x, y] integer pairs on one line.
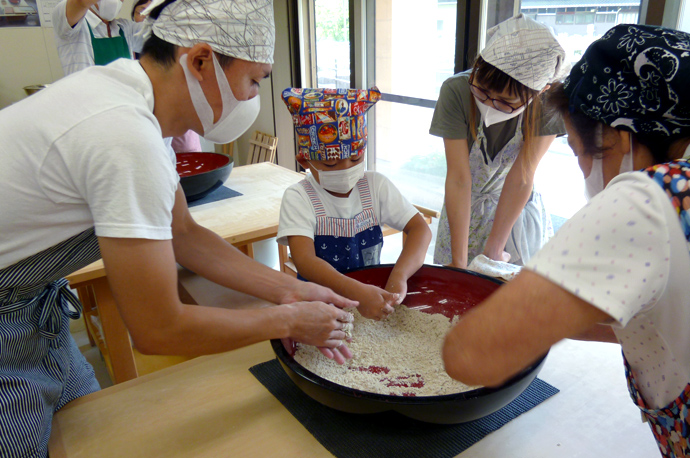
{"points": [[526, 51], [243, 29], [635, 78], [330, 123]]}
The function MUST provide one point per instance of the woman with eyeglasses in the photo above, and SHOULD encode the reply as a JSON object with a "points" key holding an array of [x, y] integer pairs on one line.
{"points": [[495, 134]]}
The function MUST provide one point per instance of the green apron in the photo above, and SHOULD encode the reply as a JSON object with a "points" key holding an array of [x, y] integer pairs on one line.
{"points": [[106, 50]]}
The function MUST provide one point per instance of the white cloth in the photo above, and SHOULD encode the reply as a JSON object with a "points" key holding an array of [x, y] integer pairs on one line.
{"points": [[526, 50], [625, 253], [85, 152], [297, 216], [497, 269], [244, 29], [74, 43]]}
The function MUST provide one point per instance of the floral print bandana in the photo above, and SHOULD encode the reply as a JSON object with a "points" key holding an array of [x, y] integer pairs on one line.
{"points": [[330, 123], [635, 78]]}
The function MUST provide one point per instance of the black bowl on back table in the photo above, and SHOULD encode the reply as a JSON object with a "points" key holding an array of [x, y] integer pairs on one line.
{"points": [[202, 173], [441, 290]]}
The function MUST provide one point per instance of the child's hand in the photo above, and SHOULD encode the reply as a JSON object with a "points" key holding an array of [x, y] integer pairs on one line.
{"points": [[398, 287], [375, 302]]}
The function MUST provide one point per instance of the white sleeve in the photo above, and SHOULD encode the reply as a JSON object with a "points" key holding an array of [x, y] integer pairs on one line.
{"points": [[131, 28], [61, 27], [614, 253], [395, 210], [123, 173], [297, 216]]}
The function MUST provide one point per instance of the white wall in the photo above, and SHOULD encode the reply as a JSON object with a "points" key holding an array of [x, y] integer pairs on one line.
{"points": [[27, 56], [274, 118]]}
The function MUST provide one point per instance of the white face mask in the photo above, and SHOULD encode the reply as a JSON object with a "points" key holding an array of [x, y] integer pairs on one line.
{"points": [[108, 9], [491, 116], [340, 181], [236, 117], [594, 183]]}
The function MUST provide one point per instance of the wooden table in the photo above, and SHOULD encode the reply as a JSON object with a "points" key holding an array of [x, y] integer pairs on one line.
{"points": [[240, 220], [213, 407]]}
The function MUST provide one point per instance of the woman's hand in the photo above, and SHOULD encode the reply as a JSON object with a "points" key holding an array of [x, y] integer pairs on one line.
{"points": [[497, 255], [375, 302], [307, 291]]}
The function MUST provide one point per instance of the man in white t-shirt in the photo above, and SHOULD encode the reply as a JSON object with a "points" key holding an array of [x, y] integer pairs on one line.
{"points": [[97, 181], [87, 33]]}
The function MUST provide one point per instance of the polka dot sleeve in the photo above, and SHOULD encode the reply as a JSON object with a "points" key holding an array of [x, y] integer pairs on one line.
{"points": [[613, 253]]}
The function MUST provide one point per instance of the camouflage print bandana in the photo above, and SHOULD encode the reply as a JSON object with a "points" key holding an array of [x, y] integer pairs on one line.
{"points": [[635, 78]]}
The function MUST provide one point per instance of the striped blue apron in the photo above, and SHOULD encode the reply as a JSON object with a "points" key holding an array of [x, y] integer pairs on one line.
{"points": [[347, 243], [41, 368]]}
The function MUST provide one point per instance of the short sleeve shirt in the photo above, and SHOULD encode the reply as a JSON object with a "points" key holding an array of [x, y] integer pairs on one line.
{"points": [[452, 117], [297, 215], [74, 43], [625, 253], [87, 152]]}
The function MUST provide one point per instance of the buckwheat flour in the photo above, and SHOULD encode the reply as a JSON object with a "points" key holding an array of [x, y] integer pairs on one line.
{"points": [[397, 356]]}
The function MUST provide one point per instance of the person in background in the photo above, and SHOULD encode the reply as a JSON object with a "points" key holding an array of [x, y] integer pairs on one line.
{"points": [[87, 33], [618, 270], [98, 182], [332, 219], [137, 8], [495, 134]]}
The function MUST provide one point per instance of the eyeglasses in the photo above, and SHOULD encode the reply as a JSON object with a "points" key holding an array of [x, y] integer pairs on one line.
{"points": [[499, 104]]}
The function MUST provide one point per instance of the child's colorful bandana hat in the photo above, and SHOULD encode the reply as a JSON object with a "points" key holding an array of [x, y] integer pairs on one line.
{"points": [[330, 123]]}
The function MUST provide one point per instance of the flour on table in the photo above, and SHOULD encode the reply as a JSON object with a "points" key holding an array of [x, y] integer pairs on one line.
{"points": [[398, 356]]}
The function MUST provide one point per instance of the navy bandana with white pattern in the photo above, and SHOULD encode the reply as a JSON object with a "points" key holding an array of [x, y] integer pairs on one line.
{"points": [[637, 78]]}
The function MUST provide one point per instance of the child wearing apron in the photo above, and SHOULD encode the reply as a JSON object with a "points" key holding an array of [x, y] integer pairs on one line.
{"points": [[332, 219]]}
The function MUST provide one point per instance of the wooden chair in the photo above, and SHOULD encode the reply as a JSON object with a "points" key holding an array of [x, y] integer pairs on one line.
{"points": [[289, 267], [229, 149], [262, 148]]}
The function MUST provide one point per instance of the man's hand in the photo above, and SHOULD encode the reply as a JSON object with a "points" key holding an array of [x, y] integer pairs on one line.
{"points": [[334, 346]]}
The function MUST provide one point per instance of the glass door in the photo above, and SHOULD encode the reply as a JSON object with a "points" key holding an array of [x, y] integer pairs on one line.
{"points": [[414, 53], [329, 43]]}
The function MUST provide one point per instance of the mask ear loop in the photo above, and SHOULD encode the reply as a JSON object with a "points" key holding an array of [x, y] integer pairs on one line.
{"points": [[201, 104], [227, 96]]}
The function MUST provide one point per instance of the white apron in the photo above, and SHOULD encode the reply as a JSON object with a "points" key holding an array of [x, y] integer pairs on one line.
{"points": [[531, 230]]}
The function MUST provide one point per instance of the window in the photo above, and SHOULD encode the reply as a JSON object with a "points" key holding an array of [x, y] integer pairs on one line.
{"points": [[329, 36], [409, 72], [558, 176]]}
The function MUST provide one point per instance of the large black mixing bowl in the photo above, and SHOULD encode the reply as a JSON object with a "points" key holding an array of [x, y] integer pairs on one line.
{"points": [[444, 290]]}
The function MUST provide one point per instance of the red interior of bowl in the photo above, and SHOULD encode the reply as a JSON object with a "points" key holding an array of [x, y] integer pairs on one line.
{"points": [[436, 289], [433, 289], [189, 164]]}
